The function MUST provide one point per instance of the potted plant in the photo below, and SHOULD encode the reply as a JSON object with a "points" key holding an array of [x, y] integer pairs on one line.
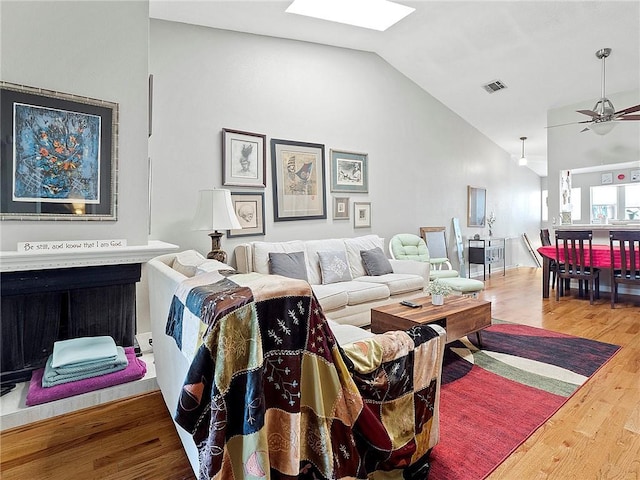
{"points": [[438, 291]]}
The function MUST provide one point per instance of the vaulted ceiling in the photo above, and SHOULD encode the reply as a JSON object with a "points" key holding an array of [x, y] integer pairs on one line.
{"points": [[543, 51]]}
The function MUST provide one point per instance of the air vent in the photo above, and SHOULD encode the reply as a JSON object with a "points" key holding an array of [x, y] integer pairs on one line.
{"points": [[494, 86]]}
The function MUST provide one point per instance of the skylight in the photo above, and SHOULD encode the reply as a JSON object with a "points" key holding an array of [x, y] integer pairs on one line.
{"points": [[374, 14]]}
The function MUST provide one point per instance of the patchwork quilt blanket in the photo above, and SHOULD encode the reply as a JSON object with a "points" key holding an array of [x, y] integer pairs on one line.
{"points": [[270, 393]]}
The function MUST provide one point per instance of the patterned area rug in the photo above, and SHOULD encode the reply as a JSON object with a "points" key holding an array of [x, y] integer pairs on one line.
{"points": [[494, 398]]}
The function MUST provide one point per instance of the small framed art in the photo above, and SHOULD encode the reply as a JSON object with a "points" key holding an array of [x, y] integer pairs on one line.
{"points": [[249, 208], [349, 172], [635, 175], [361, 214], [59, 155], [298, 180], [243, 158], [341, 208], [606, 178]]}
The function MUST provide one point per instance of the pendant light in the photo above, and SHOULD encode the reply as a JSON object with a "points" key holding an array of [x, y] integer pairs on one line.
{"points": [[523, 160]]}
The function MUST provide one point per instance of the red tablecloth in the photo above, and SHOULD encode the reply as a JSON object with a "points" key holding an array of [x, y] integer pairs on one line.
{"points": [[601, 255]]}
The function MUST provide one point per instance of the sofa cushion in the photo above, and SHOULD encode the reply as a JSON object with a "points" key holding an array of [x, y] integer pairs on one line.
{"points": [[397, 282], [261, 252], [375, 262], [292, 265], [364, 292], [331, 296], [334, 267], [354, 246], [187, 262], [312, 247], [346, 334]]}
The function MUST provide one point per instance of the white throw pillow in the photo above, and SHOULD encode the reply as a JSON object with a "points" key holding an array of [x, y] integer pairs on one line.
{"points": [[187, 262]]}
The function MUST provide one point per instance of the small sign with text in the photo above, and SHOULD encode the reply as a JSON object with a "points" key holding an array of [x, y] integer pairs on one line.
{"points": [[69, 245]]}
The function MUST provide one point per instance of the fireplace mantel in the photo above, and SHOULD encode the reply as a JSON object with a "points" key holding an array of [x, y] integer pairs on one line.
{"points": [[14, 261]]}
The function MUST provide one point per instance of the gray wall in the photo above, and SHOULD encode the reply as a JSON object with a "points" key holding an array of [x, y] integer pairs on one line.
{"points": [[422, 156], [97, 49]]}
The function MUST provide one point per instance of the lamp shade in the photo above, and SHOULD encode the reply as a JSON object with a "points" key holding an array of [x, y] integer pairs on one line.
{"points": [[215, 211]]}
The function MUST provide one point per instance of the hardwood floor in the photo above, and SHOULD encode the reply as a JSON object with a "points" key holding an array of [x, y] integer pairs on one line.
{"points": [[595, 435]]}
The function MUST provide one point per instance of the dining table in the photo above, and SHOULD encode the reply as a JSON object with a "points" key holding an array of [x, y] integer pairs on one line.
{"points": [[601, 255]]}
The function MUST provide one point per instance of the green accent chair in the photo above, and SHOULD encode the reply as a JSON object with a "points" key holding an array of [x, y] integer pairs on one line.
{"points": [[407, 246]]}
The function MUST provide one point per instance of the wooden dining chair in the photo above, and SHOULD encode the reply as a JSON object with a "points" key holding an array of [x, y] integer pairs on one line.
{"points": [[574, 248], [545, 240], [627, 242]]}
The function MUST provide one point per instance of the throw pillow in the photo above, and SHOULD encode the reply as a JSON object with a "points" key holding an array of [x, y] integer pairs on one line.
{"points": [[334, 267], [375, 262], [290, 265], [187, 262]]}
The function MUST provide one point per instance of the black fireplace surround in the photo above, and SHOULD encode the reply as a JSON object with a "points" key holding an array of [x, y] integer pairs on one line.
{"points": [[39, 307]]}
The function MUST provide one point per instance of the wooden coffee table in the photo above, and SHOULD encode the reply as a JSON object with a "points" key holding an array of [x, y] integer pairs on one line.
{"points": [[460, 316]]}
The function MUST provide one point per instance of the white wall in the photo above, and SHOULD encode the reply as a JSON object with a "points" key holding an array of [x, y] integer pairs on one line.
{"points": [[422, 156], [97, 49], [568, 148]]}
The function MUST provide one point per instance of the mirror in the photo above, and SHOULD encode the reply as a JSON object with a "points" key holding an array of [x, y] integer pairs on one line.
{"points": [[476, 206]]}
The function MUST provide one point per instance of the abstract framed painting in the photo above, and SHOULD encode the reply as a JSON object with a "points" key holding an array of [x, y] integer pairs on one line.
{"points": [[243, 158], [298, 180], [58, 155]]}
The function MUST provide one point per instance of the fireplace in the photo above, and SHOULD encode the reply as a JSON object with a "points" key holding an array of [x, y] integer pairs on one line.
{"points": [[46, 298]]}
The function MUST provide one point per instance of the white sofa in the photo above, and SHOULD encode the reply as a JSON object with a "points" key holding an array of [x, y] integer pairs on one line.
{"points": [[165, 274], [345, 302]]}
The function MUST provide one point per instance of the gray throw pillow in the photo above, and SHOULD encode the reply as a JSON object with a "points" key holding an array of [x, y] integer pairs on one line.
{"points": [[334, 267], [290, 265], [375, 262]]}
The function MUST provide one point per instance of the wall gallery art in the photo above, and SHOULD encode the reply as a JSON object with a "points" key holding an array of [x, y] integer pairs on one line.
{"points": [[298, 180], [361, 214], [58, 157], [249, 208], [349, 172], [243, 158]]}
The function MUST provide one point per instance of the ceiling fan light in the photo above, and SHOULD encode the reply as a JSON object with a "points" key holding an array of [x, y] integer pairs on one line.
{"points": [[602, 128]]}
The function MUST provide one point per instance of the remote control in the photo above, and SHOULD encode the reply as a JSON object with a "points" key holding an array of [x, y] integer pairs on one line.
{"points": [[407, 303]]}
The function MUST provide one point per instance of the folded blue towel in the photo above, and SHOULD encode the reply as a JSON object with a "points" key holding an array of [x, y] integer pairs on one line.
{"points": [[57, 376], [83, 350]]}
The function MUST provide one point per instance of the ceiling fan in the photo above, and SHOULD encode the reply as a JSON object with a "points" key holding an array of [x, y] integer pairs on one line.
{"points": [[603, 114]]}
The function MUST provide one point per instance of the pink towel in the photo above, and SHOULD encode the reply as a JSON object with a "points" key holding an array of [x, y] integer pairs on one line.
{"points": [[37, 394]]}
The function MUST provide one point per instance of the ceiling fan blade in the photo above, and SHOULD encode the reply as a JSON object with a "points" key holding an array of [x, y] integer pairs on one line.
{"points": [[591, 113], [629, 117], [570, 123], [629, 110]]}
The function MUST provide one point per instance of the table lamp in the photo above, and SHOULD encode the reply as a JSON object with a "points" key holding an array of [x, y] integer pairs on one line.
{"points": [[215, 211]]}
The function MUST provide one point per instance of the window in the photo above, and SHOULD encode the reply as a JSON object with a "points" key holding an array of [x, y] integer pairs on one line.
{"points": [[632, 202], [604, 203], [576, 203]]}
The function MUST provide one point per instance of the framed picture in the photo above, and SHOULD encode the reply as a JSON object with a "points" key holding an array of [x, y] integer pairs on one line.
{"points": [[341, 208], [476, 206], [361, 214], [635, 175], [249, 208], [349, 172], [298, 180], [58, 155], [243, 158]]}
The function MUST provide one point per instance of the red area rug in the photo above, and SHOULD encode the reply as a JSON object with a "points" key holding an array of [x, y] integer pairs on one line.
{"points": [[492, 399]]}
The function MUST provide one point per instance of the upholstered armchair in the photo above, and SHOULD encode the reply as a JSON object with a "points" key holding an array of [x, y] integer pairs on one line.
{"points": [[407, 246]]}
